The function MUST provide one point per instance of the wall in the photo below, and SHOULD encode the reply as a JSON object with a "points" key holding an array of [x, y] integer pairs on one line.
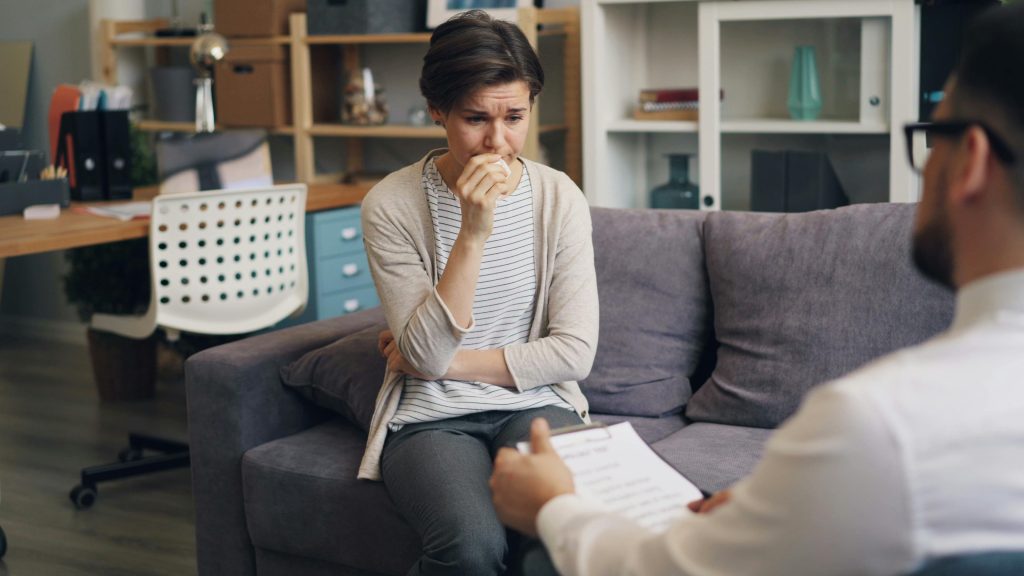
{"points": [[32, 287]]}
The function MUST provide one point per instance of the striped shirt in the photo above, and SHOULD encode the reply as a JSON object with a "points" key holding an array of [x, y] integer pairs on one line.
{"points": [[503, 306]]}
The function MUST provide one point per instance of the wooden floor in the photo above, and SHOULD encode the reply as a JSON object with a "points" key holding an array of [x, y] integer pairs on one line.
{"points": [[51, 425]]}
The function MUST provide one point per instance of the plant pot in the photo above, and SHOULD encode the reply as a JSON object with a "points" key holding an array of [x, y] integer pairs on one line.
{"points": [[124, 368]]}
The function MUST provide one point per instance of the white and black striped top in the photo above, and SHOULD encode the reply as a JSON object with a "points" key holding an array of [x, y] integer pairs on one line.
{"points": [[503, 306]]}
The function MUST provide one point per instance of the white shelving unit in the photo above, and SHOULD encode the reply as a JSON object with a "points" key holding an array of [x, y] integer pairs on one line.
{"points": [[867, 64]]}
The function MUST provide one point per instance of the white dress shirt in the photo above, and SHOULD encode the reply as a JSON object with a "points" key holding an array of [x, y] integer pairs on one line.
{"points": [[915, 456]]}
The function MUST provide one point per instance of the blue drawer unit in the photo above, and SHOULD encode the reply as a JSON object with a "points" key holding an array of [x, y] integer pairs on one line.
{"points": [[339, 276]]}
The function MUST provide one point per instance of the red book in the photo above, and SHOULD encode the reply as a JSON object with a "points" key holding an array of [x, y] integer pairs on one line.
{"points": [[672, 95]]}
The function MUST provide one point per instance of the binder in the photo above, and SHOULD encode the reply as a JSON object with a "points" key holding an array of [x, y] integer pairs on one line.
{"points": [[793, 181], [95, 148], [117, 148]]}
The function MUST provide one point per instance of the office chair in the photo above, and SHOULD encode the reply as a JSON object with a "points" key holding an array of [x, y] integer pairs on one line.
{"points": [[221, 262]]}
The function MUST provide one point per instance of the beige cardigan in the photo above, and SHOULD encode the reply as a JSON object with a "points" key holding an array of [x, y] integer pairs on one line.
{"points": [[399, 237]]}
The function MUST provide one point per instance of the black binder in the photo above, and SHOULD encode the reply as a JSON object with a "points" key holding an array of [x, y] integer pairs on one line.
{"points": [[95, 148], [793, 181]]}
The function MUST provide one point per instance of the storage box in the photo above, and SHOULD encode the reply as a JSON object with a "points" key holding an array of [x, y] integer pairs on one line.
{"points": [[253, 87], [249, 18], [364, 17]]}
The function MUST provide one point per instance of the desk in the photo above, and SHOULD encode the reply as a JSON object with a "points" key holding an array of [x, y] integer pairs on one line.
{"points": [[19, 237]]}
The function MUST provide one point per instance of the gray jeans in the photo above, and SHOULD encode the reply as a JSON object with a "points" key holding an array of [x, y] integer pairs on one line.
{"points": [[437, 473]]}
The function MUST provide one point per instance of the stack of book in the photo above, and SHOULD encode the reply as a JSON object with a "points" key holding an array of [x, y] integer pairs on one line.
{"points": [[668, 104]]}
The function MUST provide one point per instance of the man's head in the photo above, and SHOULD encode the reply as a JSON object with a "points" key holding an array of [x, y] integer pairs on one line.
{"points": [[974, 176]]}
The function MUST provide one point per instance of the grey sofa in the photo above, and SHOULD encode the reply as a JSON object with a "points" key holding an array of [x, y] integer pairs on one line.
{"points": [[713, 327]]}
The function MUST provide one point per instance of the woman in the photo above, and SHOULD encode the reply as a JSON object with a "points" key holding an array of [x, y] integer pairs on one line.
{"points": [[484, 266]]}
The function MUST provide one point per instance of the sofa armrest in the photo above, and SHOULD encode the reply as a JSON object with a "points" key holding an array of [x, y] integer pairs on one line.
{"points": [[236, 401]]}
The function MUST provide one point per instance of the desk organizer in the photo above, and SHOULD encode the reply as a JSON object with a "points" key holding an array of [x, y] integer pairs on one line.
{"points": [[16, 196]]}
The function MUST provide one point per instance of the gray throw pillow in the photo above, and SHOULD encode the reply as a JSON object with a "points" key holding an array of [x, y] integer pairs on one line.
{"points": [[344, 376], [800, 299], [654, 299]]}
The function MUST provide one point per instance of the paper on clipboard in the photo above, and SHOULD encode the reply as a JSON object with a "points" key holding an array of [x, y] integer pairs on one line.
{"points": [[614, 466]]}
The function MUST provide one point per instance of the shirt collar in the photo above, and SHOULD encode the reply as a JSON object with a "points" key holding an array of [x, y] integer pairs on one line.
{"points": [[990, 296]]}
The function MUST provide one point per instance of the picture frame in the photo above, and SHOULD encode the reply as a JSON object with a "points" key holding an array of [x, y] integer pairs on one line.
{"points": [[440, 10]]}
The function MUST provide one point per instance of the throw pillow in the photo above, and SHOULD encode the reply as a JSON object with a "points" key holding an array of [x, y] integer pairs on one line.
{"points": [[344, 376], [654, 299], [800, 299]]}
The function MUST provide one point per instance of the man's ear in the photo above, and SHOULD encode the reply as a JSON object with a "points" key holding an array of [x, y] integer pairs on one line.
{"points": [[974, 169]]}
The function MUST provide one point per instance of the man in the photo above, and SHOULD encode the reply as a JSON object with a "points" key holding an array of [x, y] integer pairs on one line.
{"points": [[917, 456]]}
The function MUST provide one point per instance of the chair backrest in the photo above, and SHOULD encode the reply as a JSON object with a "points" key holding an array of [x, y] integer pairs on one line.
{"points": [[216, 161], [228, 261]]}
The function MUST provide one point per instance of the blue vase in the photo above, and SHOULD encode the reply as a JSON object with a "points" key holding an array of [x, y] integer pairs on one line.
{"points": [[804, 100], [678, 192]]}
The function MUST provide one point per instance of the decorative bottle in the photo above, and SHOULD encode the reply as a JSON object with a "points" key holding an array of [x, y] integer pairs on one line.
{"points": [[678, 192]]}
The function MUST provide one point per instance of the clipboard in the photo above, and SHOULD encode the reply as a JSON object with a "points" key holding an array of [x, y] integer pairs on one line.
{"points": [[613, 467]]}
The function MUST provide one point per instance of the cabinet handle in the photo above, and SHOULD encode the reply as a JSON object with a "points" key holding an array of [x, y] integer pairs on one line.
{"points": [[350, 270], [351, 305], [349, 233]]}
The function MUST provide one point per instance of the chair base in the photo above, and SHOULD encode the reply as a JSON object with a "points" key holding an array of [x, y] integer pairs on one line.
{"points": [[131, 462]]}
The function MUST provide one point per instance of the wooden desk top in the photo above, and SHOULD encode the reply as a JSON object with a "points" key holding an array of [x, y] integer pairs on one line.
{"points": [[72, 230]]}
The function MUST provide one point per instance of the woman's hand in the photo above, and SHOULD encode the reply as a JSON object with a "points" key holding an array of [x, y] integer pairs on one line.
{"points": [[396, 362], [706, 505], [483, 181]]}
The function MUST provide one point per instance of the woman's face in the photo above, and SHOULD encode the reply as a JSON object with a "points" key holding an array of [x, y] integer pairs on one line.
{"points": [[493, 120]]}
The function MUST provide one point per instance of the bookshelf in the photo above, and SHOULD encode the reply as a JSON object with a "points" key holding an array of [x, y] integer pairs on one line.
{"points": [[867, 65]]}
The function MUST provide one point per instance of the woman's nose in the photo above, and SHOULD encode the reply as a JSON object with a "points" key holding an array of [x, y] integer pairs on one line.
{"points": [[495, 135]]}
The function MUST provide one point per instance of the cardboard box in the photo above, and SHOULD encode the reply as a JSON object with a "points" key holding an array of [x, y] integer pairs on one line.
{"points": [[253, 18], [253, 87]]}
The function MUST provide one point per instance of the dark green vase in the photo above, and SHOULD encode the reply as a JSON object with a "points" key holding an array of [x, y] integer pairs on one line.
{"points": [[678, 192]]}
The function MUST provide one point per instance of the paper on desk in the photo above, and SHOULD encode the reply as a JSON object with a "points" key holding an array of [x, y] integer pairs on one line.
{"points": [[125, 211], [614, 466]]}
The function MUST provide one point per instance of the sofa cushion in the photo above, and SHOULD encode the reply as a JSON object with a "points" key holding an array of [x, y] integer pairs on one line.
{"points": [[650, 429], [343, 376], [800, 299], [302, 498], [654, 310], [713, 456]]}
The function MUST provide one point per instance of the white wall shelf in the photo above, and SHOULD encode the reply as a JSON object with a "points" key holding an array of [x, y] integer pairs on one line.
{"points": [[740, 126], [868, 67], [645, 126]]}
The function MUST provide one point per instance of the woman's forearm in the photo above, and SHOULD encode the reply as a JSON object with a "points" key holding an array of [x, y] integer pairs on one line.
{"points": [[457, 285], [481, 366]]}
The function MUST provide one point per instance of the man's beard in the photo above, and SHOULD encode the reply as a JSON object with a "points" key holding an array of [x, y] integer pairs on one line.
{"points": [[933, 253]]}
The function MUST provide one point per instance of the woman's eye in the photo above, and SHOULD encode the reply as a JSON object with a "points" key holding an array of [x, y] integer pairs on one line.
{"points": [[475, 119], [513, 119]]}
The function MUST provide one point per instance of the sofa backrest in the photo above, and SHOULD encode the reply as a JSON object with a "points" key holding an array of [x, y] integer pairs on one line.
{"points": [[800, 299], [654, 310]]}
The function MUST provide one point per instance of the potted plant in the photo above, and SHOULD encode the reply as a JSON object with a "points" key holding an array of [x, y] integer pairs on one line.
{"points": [[114, 279]]}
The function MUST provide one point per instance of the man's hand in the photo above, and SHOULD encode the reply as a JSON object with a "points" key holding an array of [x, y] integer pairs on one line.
{"points": [[396, 362], [708, 504], [523, 483]]}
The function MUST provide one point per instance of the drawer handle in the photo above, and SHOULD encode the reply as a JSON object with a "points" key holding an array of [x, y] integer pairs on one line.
{"points": [[349, 270], [349, 233], [351, 305]]}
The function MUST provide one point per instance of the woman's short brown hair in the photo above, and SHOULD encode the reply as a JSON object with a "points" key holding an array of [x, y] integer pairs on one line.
{"points": [[472, 50]]}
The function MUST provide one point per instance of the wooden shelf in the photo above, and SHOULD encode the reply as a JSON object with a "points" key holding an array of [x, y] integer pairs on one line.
{"points": [[651, 126], [781, 126], [173, 41], [383, 131], [187, 127], [416, 38]]}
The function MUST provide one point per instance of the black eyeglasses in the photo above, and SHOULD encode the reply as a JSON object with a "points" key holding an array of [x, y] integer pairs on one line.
{"points": [[919, 142]]}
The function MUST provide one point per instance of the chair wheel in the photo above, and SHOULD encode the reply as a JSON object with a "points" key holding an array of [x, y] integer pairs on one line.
{"points": [[129, 455], [3, 543], [83, 496]]}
